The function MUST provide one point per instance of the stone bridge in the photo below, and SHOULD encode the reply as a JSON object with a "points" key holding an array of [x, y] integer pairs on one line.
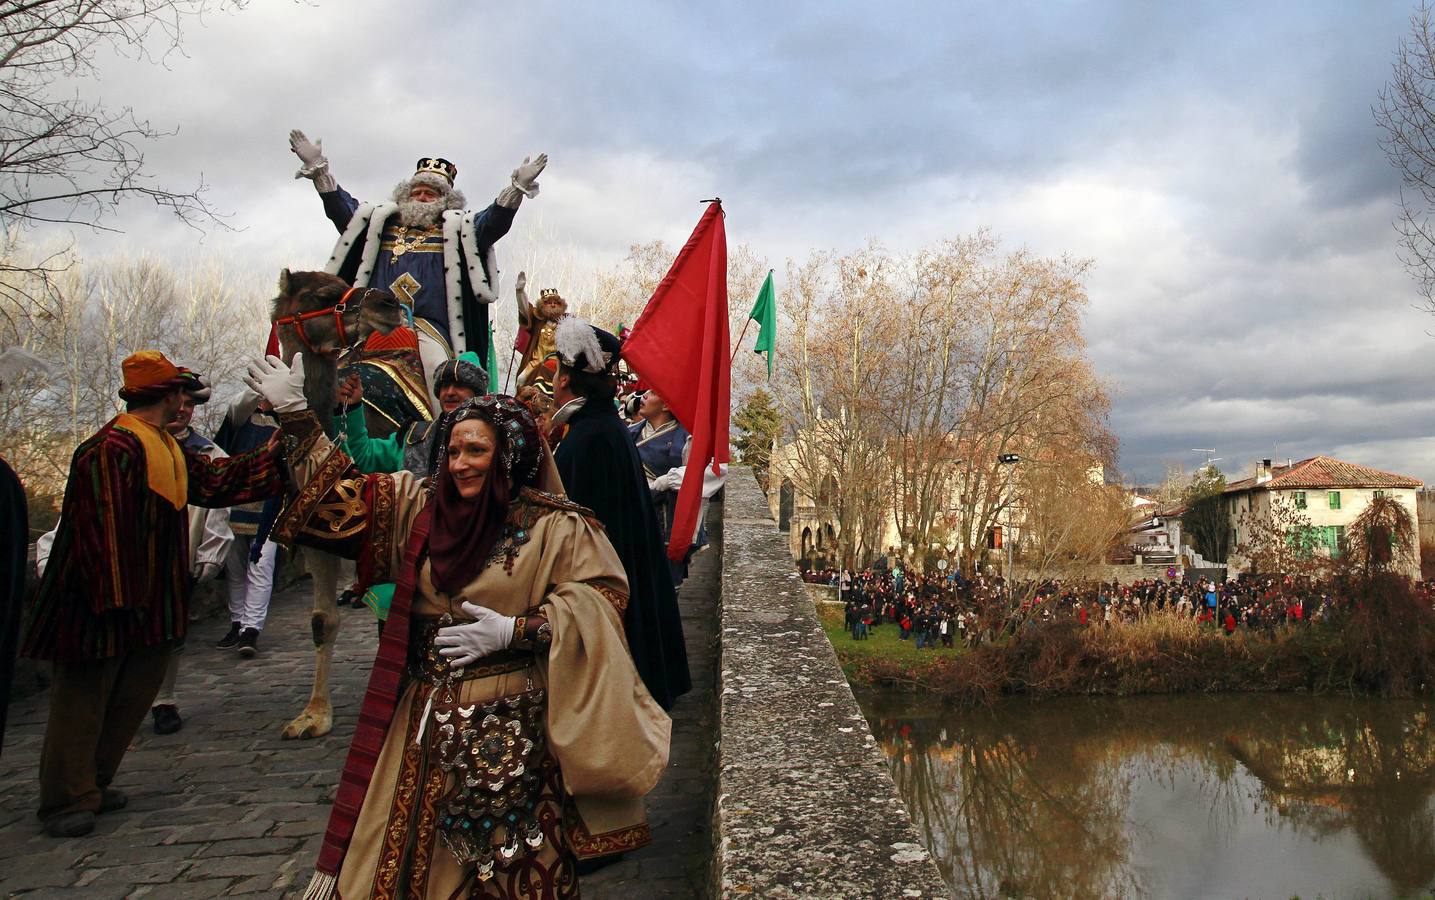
{"points": [[776, 787]]}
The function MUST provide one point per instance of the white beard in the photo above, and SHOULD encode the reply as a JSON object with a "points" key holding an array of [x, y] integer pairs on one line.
{"points": [[415, 214]]}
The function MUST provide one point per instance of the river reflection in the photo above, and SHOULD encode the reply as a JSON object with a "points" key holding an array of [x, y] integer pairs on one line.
{"points": [[1228, 796]]}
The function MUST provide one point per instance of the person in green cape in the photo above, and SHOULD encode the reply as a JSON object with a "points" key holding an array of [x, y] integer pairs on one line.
{"points": [[411, 448]]}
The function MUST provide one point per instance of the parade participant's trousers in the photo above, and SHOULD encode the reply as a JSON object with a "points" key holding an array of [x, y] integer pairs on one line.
{"points": [[165, 697], [432, 351], [250, 583], [96, 707]]}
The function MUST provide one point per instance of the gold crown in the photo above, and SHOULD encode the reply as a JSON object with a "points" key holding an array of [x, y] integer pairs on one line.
{"points": [[438, 166], [548, 292]]}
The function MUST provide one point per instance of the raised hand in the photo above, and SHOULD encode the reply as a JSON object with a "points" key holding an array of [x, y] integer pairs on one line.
{"points": [[310, 152], [315, 166], [525, 176], [281, 385]]}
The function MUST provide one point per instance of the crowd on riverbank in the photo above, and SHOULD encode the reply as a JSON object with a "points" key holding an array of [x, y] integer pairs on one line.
{"points": [[947, 609]]}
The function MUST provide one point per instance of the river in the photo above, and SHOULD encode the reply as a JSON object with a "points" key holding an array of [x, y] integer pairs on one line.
{"points": [[1234, 795]]}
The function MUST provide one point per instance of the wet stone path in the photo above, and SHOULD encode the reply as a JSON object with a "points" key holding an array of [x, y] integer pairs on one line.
{"points": [[225, 807]]}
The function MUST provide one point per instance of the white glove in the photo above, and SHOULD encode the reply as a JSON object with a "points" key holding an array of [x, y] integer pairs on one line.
{"points": [[205, 571], [281, 385], [523, 183], [526, 175], [670, 480], [316, 165], [465, 644]]}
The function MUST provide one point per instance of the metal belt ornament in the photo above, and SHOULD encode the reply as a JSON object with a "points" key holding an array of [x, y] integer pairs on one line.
{"points": [[492, 750]]}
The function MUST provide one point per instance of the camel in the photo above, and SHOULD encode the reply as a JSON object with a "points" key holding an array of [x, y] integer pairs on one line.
{"points": [[317, 314]]}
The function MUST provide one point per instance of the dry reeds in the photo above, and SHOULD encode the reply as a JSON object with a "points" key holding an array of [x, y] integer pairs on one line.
{"points": [[1157, 654]]}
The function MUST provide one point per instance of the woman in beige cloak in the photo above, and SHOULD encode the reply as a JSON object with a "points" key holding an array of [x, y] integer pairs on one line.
{"points": [[504, 732]]}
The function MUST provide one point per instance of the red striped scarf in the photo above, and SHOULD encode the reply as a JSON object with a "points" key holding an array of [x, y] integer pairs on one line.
{"points": [[380, 699]]}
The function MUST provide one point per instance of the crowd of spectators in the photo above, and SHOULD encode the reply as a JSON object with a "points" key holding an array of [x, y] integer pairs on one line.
{"points": [[945, 607]]}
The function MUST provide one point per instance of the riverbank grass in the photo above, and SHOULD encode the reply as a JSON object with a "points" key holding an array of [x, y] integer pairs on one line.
{"points": [[1160, 654], [883, 642]]}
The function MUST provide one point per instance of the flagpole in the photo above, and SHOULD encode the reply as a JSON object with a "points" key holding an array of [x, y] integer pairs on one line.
{"points": [[739, 342], [507, 374]]}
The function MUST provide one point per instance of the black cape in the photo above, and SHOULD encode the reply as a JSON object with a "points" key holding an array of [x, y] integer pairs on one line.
{"points": [[600, 470], [14, 560]]}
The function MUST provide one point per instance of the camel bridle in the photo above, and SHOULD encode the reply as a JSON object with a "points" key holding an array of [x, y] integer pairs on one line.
{"points": [[297, 320]]}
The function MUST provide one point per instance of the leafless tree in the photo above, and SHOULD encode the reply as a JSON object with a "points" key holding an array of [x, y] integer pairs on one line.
{"points": [[206, 317], [66, 159], [907, 377], [1405, 114]]}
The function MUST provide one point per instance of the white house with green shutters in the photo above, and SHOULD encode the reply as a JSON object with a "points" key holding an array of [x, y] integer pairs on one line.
{"points": [[1328, 492]]}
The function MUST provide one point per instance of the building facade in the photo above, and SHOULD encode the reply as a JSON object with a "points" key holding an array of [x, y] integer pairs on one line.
{"points": [[1326, 492]]}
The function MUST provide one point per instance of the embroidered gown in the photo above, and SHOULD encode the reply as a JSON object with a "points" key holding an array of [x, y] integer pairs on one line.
{"points": [[607, 740]]}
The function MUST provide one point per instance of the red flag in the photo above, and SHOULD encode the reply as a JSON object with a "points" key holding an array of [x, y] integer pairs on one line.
{"points": [[679, 345]]}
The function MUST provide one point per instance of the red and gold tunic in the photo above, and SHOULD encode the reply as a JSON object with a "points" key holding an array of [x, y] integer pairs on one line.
{"points": [[118, 577]]}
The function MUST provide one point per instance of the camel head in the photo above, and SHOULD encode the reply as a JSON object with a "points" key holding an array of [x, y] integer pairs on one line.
{"points": [[365, 312]]}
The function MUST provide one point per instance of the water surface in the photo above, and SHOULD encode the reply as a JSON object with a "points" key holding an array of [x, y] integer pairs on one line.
{"points": [[1251, 795]]}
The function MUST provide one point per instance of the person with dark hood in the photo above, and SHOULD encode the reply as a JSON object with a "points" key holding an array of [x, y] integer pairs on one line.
{"points": [[14, 546], [504, 734], [600, 469], [14, 538]]}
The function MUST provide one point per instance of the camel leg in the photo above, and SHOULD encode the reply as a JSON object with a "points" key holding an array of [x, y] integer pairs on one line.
{"points": [[317, 719]]}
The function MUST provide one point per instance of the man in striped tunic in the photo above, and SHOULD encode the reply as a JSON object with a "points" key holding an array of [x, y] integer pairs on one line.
{"points": [[115, 600]]}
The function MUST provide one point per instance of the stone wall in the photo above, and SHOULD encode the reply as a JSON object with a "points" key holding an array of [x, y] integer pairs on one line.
{"points": [[1132, 574], [821, 593], [806, 806]]}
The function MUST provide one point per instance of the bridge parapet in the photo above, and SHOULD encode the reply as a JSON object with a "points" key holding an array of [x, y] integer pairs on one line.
{"points": [[806, 806]]}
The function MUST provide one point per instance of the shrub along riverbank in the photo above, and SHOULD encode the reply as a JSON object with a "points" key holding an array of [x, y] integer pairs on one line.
{"points": [[1384, 644]]}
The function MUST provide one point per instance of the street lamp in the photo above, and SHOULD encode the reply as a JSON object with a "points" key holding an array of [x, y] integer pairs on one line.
{"points": [[1008, 459]]}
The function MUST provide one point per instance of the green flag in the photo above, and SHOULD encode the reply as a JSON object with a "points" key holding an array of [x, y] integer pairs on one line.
{"points": [[764, 313], [493, 385]]}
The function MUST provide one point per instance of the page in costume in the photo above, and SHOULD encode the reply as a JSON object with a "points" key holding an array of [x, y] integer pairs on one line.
{"points": [[605, 740]]}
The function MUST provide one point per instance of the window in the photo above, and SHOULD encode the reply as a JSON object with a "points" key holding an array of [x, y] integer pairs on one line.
{"points": [[1327, 540], [1334, 498], [1299, 499], [1303, 541], [1379, 495]]}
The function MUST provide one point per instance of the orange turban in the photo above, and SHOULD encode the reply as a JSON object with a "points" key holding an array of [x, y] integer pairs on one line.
{"points": [[149, 373]]}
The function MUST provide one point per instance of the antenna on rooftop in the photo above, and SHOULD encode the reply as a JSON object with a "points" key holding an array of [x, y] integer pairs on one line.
{"points": [[1209, 458]]}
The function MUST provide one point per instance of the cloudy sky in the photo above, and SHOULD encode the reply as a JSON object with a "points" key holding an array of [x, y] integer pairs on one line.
{"points": [[1217, 161]]}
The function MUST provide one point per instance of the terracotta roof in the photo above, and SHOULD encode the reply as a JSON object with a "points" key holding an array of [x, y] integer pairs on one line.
{"points": [[1323, 472]]}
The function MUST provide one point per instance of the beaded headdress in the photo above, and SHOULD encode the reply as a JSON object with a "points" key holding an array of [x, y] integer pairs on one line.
{"points": [[519, 450]]}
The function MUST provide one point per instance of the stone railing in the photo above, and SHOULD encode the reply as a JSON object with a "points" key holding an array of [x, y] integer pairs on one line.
{"points": [[806, 806]]}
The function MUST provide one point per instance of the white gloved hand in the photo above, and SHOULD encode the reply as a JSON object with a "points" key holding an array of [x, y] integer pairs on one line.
{"points": [[670, 480], [315, 165], [525, 176], [465, 644], [205, 571], [281, 385]]}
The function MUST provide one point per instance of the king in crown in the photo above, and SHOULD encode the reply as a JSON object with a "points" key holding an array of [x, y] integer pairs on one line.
{"points": [[423, 246]]}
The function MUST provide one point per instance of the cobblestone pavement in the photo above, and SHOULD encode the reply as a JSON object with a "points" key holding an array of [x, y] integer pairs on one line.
{"points": [[224, 807]]}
